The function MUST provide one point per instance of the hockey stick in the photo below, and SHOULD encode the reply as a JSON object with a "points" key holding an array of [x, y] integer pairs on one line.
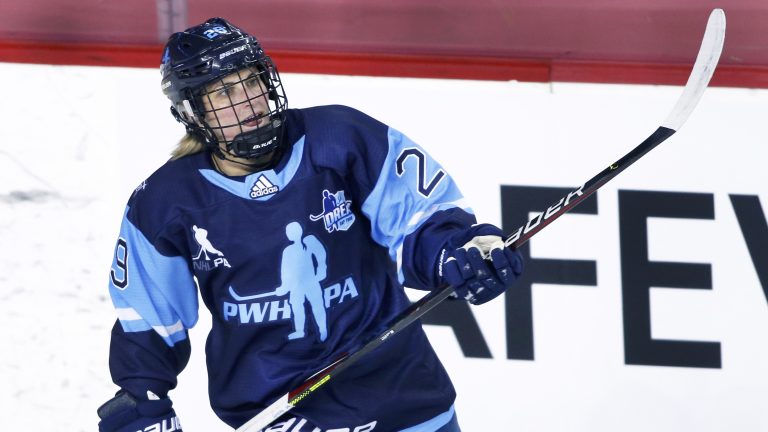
{"points": [[706, 61], [250, 297]]}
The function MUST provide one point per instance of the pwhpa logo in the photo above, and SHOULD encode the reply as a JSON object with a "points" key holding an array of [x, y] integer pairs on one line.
{"points": [[337, 212], [207, 257], [303, 272]]}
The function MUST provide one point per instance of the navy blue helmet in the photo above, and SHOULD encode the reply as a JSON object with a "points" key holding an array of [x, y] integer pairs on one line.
{"points": [[224, 88]]}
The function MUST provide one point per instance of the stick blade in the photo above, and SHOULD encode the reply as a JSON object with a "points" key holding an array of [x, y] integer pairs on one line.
{"points": [[703, 69]]}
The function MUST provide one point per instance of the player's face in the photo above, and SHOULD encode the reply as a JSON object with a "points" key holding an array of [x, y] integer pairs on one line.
{"points": [[236, 103]]}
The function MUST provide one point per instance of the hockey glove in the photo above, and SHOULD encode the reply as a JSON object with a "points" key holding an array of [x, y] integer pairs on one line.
{"points": [[483, 267], [125, 413]]}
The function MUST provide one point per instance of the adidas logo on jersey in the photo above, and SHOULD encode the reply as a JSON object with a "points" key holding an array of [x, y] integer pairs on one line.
{"points": [[263, 187]]}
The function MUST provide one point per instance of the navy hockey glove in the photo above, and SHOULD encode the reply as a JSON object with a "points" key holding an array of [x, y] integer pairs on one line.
{"points": [[125, 413], [483, 267]]}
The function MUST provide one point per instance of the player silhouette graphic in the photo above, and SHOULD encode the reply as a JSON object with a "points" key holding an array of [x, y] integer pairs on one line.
{"points": [[329, 203], [302, 268], [201, 237]]}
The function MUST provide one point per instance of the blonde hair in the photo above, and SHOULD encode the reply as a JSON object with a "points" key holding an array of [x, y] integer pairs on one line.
{"points": [[187, 145]]}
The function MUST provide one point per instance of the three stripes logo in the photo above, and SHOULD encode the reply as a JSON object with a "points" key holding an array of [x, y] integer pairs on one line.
{"points": [[263, 187]]}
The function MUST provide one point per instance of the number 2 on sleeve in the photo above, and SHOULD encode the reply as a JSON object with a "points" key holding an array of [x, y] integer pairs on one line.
{"points": [[423, 188]]}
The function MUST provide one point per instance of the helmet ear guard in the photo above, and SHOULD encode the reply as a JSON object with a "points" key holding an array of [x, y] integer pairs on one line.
{"points": [[183, 113], [195, 128]]}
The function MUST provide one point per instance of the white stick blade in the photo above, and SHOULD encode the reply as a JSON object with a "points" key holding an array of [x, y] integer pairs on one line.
{"points": [[703, 69], [270, 414]]}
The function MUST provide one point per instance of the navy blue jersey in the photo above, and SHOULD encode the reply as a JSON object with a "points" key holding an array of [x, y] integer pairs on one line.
{"points": [[297, 265]]}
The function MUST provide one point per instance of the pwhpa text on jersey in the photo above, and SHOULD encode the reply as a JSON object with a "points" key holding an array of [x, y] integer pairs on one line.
{"points": [[275, 310]]}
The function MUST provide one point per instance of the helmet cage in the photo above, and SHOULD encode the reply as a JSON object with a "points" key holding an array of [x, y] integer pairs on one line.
{"points": [[243, 110]]}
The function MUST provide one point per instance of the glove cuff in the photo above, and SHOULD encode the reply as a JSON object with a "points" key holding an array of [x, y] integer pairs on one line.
{"points": [[125, 413]]}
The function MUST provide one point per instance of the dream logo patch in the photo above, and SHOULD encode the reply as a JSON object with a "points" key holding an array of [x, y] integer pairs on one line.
{"points": [[337, 212]]}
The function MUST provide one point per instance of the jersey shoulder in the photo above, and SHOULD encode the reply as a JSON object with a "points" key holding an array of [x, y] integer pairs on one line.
{"points": [[338, 134], [165, 194]]}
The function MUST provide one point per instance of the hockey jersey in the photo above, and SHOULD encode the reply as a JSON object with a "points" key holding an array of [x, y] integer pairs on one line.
{"points": [[297, 265]]}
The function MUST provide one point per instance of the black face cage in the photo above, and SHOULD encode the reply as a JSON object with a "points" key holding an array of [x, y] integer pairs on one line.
{"points": [[244, 110]]}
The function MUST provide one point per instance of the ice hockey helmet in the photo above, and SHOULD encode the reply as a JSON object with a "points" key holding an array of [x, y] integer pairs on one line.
{"points": [[201, 55]]}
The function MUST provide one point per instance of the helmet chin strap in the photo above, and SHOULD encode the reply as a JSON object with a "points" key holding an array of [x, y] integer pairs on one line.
{"points": [[262, 140], [265, 161]]}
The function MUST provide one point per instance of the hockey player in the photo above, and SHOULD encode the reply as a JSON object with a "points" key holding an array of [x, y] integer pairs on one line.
{"points": [[236, 210]]}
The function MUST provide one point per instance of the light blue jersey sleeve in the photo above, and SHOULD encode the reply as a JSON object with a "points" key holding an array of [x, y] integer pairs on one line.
{"points": [[151, 291], [412, 189]]}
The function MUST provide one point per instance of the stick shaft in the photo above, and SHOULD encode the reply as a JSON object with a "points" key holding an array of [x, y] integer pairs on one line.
{"points": [[706, 62]]}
